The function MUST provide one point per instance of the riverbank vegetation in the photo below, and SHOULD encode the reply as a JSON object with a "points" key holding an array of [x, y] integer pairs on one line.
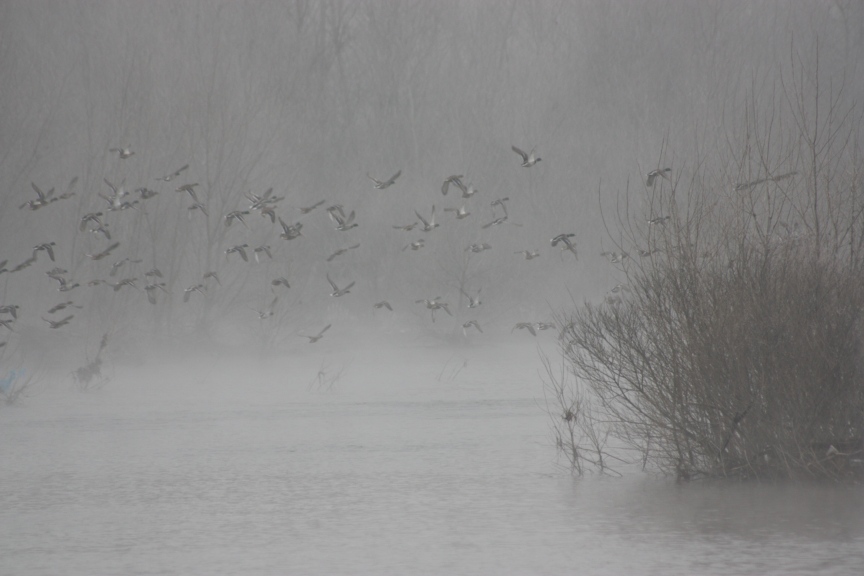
{"points": [[733, 345]]}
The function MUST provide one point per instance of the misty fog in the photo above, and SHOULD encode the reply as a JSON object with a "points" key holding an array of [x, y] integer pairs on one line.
{"points": [[310, 209]]}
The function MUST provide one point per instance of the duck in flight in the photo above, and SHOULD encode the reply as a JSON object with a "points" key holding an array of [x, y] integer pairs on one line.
{"points": [[337, 292], [290, 232], [54, 324], [652, 176], [239, 249], [175, 174], [429, 225], [123, 153], [316, 337], [528, 160], [308, 209], [42, 200], [341, 251], [566, 243], [455, 180], [382, 184]]}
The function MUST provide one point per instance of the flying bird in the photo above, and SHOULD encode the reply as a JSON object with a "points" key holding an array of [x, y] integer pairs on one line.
{"points": [[212, 275], [123, 153], [339, 291], [188, 291], [461, 212], [189, 189], [529, 254], [341, 251], [338, 215], [652, 176], [175, 174], [290, 232], [236, 215], [469, 324], [382, 304], [263, 249], [10, 309], [239, 249], [429, 225], [54, 324], [477, 248], [454, 180], [308, 209], [47, 247], [416, 245], [528, 160], [473, 302], [317, 337], [382, 184], [567, 244], [43, 199], [525, 326]]}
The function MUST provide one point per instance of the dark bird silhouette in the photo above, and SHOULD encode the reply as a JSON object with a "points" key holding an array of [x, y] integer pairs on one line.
{"points": [[652, 176], [429, 225], [454, 180], [239, 249], [290, 232], [341, 251], [525, 326], [104, 253], [316, 337], [175, 174], [54, 324], [188, 291], [11, 309], [339, 291], [382, 184], [308, 209], [47, 247], [42, 200]]}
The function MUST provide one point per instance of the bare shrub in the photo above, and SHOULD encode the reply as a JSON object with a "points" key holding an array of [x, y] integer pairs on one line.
{"points": [[737, 350], [578, 436]]}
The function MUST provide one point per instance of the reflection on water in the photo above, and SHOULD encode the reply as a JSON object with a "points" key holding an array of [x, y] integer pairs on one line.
{"points": [[442, 482]]}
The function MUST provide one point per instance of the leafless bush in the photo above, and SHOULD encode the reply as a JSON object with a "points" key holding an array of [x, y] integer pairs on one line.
{"points": [[578, 436], [738, 349], [13, 384], [326, 378]]}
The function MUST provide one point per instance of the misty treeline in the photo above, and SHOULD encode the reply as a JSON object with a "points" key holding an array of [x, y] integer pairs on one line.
{"points": [[307, 98], [734, 345]]}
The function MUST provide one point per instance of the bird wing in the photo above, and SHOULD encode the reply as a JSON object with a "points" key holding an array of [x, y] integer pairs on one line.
{"points": [[332, 284], [520, 152]]}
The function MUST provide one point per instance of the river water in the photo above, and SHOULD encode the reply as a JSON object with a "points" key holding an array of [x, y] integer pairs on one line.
{"points": [[422, 460]]}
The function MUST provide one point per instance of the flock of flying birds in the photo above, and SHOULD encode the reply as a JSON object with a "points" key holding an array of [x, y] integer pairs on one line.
{"points": [[121, 199]]}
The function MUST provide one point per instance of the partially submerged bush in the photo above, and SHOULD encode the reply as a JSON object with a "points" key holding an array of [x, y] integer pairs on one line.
{"points": [[737, 350]]}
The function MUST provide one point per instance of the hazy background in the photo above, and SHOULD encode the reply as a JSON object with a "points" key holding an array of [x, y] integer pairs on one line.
{"points": [[309, 97]]}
